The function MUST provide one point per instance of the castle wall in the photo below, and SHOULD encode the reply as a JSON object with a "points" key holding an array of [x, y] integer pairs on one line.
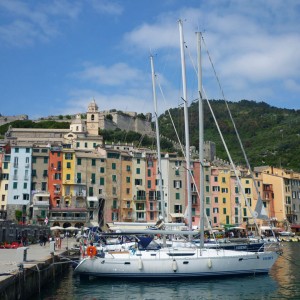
{"points": [[8, 119]]}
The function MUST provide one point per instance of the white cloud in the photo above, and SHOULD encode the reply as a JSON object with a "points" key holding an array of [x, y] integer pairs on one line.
{"points": [[115, 75], [107, 7], [25, 24]]}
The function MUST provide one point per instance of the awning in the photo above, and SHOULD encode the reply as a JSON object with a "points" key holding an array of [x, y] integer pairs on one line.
{"points": [[295, 226], [92, 199], [177, 215]]}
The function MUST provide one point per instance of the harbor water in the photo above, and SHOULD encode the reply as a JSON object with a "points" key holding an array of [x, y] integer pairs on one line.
{"points": [[283, 282]]}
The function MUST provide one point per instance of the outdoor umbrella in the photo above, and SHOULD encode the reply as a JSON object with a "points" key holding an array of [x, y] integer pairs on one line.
{"points": [[56, 228]]}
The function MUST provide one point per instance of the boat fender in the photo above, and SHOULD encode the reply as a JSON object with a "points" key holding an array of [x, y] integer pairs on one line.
{"points": [[140, 264], [174, 265], [209, 263], [91, 251]]}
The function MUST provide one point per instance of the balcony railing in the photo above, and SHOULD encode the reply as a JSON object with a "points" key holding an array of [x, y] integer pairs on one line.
{"points": [[40, 203]]}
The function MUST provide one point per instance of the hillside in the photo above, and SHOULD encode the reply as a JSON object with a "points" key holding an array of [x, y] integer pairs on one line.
{"points": [[270, 135]]}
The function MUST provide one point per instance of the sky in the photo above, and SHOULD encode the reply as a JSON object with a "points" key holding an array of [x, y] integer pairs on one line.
{"points": [[56, 56]]}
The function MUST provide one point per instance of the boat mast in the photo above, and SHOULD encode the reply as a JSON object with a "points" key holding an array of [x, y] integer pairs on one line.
{"points": [[157, 141], [186, 124], [201, 139]]}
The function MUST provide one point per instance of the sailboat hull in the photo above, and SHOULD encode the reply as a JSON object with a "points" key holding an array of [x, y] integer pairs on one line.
{"points": [[160, 264]]}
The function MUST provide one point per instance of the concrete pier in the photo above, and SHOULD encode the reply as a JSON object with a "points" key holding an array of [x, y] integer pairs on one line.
{"points": [[24, 271]]}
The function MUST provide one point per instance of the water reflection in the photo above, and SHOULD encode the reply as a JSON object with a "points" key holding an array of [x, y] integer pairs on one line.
{"points": [[286, 272], [282, 283]]}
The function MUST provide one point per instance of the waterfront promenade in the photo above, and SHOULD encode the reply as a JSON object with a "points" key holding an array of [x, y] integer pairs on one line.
{"points": [[11, 258]]}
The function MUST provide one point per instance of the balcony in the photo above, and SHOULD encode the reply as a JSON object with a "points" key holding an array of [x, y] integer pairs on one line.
{"points": [[43, 203]]}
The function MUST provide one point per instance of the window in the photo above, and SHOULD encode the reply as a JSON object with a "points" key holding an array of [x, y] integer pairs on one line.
{"points": [[44, 186], [177, 184], [247, 190], [236, 189], [77, 144], [207, 200], [78, 177], [16, 150], [215, 210], [236, 211], [78, 161], [207, 212], [45, 160], [128, 191], [178, 208], [93, 178], [113, 166], [128, 168], [177, 196], [236, 199], [45, 173], [207, 188], [93, 162], [224, 190], [102, 180], [224, 210], [224, 200], [27, 150], [114, 178], [15, 185], [25, 185], [69, 156], [216, 179], [5, 165], [34, 159], [149, 172], [33, 172], [138, 182], [127, 179], [216, 199], [91, 191], [85, 145], [68, 165], [114, 190], [138, 171], [207, 177], [68, 176], [57, 176], [138, 161], [223, 179], [149, 184]]}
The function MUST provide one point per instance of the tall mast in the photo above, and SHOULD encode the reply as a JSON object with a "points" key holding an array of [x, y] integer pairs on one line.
{"points": [[201, 140], [186, 123], [157, 140]]}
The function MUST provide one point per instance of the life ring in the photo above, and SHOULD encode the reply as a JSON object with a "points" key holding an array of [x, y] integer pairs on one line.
{"points": [[91, 251]]}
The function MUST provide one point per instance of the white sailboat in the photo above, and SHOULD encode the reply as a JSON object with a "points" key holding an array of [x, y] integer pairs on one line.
{"points": [[146, 260]]}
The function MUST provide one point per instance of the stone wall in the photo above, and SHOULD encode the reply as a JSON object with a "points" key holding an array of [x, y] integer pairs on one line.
{"points": [[8, 119]]}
